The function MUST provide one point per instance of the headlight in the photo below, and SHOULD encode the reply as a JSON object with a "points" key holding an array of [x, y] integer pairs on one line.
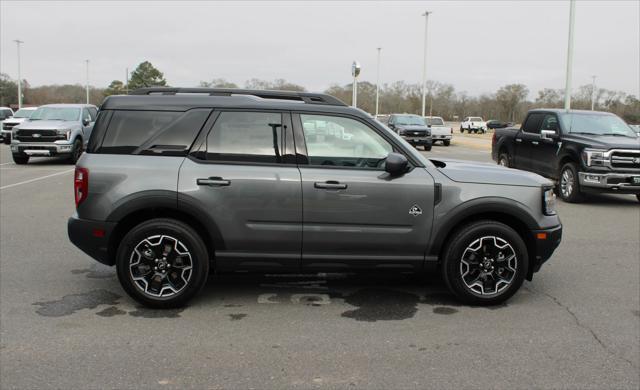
{"points": [[548, 201], [64, 132], [593, 157]]}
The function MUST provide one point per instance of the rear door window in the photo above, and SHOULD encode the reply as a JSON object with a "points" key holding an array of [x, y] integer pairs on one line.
{"points": [[152, 132]]}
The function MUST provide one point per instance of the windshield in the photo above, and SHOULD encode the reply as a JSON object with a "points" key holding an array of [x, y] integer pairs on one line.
{"points": [[23, 113], [409, 120], [435, 121], [475, 119], [56, 113], [596, 124]]}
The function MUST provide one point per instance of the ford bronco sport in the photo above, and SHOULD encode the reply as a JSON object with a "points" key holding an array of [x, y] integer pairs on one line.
{"points": [[176, 183]]}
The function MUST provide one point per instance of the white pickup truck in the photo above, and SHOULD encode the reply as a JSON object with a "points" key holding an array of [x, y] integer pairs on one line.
{"points": [[473, 124], [439, 131]]}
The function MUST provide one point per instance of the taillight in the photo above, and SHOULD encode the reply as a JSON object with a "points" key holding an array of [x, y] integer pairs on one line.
{"points": [[493, 139], [81, 185]]}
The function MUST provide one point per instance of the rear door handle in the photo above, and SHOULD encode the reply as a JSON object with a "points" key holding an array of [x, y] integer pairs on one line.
{"points": [[214, 181], [330, 185], [518, 139], [535, 142]]}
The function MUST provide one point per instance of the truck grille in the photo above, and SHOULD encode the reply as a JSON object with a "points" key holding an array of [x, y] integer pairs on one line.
{"points": [[8, 126], [38, 135], [625, 159]]}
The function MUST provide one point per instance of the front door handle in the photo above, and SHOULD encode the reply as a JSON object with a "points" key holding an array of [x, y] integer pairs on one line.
{"points": [[330, 185], [214, 181], [518, 139], [535, 142]]}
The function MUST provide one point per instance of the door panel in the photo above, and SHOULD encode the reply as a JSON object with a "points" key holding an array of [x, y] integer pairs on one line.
{"points": [[368, 223], [544, 154]]}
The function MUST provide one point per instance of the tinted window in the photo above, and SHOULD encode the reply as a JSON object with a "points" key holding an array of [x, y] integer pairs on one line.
{"points": [[152, 132], [247, 136], [550, 122], [94, 113], [338, 141], [435, 121], [532, 125]]}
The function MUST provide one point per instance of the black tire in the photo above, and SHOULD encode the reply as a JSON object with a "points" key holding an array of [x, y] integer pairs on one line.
{"points": [[180, 234], [504, 160], [569, 184], [446, 143], [427, 147], [461, 130], [483, 231], [638, 196], [7, 140], [76, 151], [20, 158]]}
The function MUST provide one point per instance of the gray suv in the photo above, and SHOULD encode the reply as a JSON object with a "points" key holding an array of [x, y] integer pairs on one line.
{"points": [[176, 183], [54, 130]]}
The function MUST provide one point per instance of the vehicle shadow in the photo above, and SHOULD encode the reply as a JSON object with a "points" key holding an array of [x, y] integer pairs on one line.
{"points": [[619, 200]]}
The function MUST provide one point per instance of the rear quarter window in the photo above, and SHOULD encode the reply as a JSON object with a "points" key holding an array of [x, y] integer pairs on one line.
{"points": [[147, 132]]}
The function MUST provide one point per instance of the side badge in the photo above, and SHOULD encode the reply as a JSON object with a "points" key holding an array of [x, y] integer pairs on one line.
{"points": [[415, 210]]}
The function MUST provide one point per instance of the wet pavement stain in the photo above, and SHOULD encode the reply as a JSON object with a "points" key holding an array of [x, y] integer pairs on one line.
{"points": [[381, 305], [237, 317], [96, 272], [110, 312], [156, 313], [69, 304], [444, 310]]}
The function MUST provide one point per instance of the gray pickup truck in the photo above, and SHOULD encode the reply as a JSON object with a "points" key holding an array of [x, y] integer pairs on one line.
{"points": [[54, 130], [177, 182]]}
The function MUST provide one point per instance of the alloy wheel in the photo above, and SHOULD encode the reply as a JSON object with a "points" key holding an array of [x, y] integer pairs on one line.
{"points": [[567, 183], [488, 265], [160, 266]]}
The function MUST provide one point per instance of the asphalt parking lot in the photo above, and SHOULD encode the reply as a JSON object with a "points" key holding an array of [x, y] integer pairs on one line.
{"points": [[66, 323]]}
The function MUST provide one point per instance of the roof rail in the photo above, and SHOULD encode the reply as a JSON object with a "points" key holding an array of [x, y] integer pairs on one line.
{"points": [[306, 97]]}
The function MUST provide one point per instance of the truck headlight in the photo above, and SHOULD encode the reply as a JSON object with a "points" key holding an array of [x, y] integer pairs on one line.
{"points": [[64, 133], [548, 201], [593, 157]]}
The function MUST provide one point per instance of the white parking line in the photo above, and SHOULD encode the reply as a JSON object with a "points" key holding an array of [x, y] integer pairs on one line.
{"points": [[36, 179], [7, 163]]}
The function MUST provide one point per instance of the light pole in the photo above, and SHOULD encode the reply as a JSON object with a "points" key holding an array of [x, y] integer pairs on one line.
{"points": [[18, 43], [593, 93], [378, 84], [567, 85], [424, 63], [126, 85], [355, 71], [87, 61]]}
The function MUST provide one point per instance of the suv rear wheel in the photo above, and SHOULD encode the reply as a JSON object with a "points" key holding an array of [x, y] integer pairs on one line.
{"points": [[485, 263], [569, 186], [162, 263]]}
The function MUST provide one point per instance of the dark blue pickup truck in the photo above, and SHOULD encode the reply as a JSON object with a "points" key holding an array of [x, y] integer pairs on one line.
{"points": [[584, 151]]}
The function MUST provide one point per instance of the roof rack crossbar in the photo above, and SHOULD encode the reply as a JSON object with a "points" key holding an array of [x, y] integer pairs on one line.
{"points": [[306, 97]]}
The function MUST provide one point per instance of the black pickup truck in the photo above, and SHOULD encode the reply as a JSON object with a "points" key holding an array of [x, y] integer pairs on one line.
{"points": [[585, 151]]}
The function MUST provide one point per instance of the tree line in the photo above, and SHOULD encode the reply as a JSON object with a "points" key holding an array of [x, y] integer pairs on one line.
{"points": [[509, 103]]}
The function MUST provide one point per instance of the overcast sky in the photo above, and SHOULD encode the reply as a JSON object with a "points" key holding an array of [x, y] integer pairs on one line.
{"points": [[477, 46]]}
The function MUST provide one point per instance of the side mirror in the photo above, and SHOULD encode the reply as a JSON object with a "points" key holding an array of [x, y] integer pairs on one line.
{"points": [[396, 164], [85, 122], [548, 135]]}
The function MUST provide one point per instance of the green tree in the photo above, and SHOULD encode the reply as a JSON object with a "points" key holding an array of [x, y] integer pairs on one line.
{"points": [[116, 87], [8, 90], [218, 83], [146, 75], [276, 85]]}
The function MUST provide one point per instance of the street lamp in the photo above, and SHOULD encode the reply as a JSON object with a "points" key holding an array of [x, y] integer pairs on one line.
{"points": [[378, 83], [355, 71], [87, 61], [18, 43], [424, 63], [593, 93], [567, 85]]}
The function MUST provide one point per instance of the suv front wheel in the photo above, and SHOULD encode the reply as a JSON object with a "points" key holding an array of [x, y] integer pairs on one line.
{"points": [[485, 263], [162, 263]]}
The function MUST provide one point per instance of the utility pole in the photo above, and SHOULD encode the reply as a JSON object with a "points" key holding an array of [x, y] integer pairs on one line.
{"points": [[87, 61], [424, 63], [378, 83], [593, 93], [567, 85], [18, 43], [126, 85], [355, 71]]}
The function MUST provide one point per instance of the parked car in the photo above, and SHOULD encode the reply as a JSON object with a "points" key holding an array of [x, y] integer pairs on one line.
{"points": [[439, 131], [5, 113], [585, 151], [412, 128], [496, 124], [54, 130], [175, 184], [18, 117], [636, 129], [473, 124]]}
